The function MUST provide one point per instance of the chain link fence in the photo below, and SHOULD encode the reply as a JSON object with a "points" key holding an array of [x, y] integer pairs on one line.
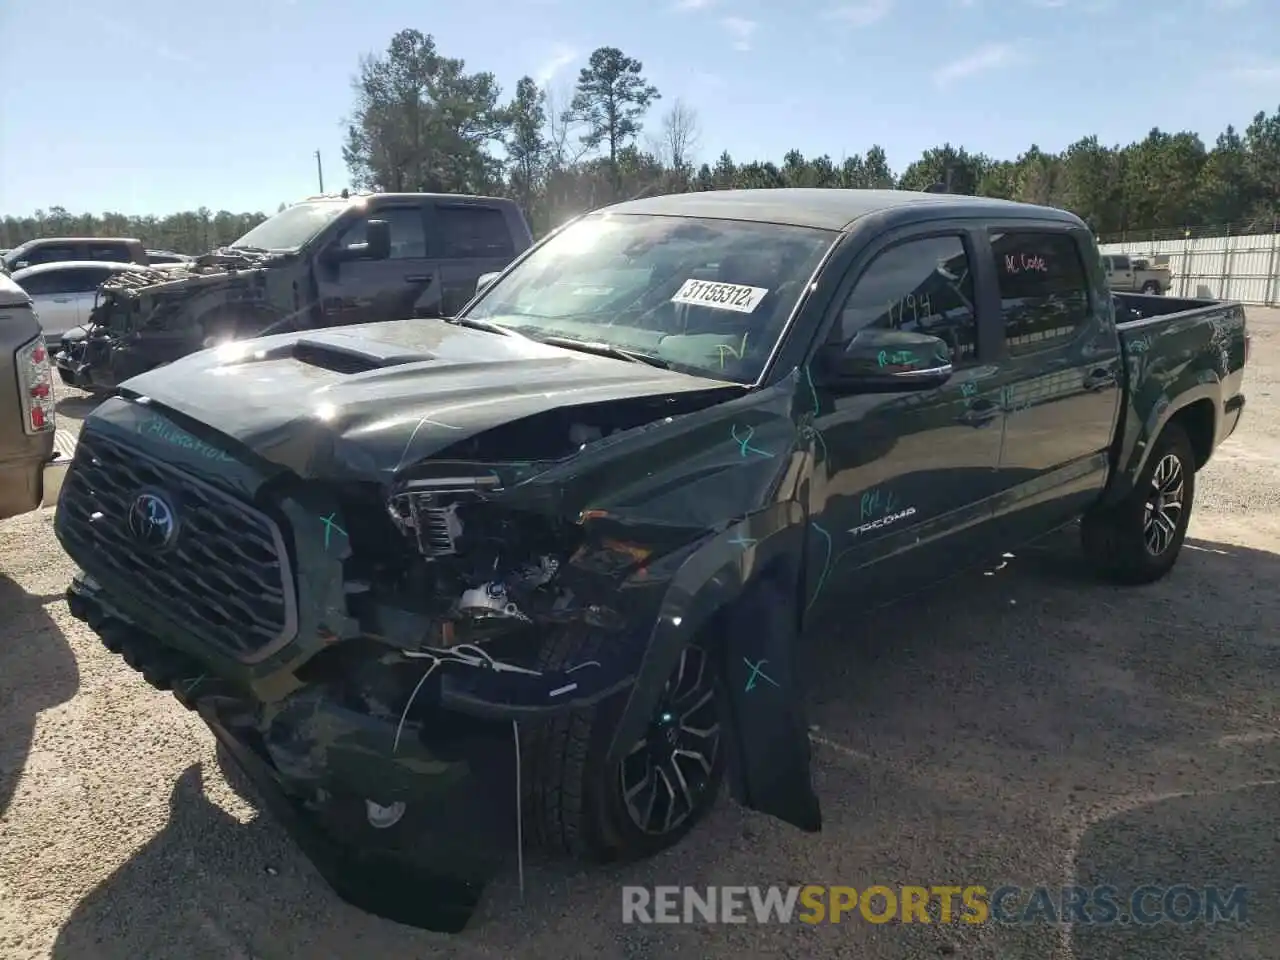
{"points": [[1233, 261]]}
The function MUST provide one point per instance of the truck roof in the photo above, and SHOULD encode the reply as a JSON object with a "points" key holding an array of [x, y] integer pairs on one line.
{"points": [[354, 197], [830, 209], [78, 240]]}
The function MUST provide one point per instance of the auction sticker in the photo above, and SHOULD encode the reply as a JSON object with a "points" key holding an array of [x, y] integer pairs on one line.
{"points": [[720, 296]]}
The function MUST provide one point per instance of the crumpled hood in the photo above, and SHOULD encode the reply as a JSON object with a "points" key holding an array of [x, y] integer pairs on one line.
{"points": [[361, 402]]}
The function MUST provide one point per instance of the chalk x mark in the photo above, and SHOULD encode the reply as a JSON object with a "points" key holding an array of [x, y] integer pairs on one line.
{"points": [[329, 527], [744, 443], [414, 436], [757, 672]]}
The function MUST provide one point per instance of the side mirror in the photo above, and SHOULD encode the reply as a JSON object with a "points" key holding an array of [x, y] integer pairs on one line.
{"points": [[486, 281], [376, 246], [886, 361], [377, 240]]}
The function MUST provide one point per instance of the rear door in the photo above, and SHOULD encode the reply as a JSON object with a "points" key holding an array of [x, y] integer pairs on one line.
{"points": [[468, 239], [366, 291], [1059, 376]]}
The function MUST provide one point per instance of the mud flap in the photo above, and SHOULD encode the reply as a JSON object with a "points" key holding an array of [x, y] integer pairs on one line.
{"points": [[766, 731]]}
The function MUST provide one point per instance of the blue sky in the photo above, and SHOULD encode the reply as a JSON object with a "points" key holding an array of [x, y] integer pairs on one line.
{"points": [[154, 106]]}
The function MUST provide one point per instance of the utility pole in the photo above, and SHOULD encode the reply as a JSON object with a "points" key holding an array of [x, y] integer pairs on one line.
{"points": [[319, 171]]}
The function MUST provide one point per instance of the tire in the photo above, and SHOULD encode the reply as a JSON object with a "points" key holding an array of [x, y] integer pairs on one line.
{"points": [[1152, 288], [1127, 543], [575, 806]]}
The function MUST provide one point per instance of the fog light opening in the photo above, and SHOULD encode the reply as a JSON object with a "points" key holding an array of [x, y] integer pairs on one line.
{"points": [[380, 817]]}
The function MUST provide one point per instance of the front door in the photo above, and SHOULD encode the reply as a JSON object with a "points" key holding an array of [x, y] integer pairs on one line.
{"points": [[1060, 377], [914, 470], [366, 291]]}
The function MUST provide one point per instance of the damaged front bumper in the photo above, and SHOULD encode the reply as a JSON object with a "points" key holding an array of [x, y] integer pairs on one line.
{"points": [[411, 834], [98, 362]]}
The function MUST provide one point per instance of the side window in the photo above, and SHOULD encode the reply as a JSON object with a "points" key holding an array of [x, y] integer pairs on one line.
{"points": [[923, 286], [473, 233], [1044, 295], [86, 279], [44, 284], [49, 254], [408, 237], [1121, 263], [108, 251]]}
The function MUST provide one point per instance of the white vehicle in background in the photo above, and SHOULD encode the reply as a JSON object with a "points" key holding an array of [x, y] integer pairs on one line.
{"points": [[1126, 275], [63, 292]]}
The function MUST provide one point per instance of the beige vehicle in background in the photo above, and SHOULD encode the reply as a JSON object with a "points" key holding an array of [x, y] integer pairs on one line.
{"points": [[1127, 275], [33, 456]]}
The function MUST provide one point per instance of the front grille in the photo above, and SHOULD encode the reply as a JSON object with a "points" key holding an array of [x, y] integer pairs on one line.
{"points": [[225, 575]]}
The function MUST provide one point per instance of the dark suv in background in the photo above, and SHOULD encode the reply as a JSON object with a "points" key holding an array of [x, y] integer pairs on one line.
{"points": [[49, 249], [327, 261]]}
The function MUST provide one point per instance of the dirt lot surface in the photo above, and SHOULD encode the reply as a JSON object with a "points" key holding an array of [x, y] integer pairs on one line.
{"points": [[1027, 727]]}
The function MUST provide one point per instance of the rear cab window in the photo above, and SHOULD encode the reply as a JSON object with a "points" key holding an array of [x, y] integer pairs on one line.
{"points": [[472, 232], [116, 252], [1044, 288]]}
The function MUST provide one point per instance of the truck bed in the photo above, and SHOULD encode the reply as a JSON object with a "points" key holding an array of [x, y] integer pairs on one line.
{"points": [[1193, 351]]}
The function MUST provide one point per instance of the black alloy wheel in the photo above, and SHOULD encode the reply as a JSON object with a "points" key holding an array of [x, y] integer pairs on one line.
{"points": [[667, 774]]}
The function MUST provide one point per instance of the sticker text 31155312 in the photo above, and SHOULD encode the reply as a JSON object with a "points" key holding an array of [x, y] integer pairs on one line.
{"points": [[720, 296]]}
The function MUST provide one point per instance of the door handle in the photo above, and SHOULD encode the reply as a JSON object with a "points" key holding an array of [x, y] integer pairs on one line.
{"points": [[980, 415], [1099, 379], [419, 278]]}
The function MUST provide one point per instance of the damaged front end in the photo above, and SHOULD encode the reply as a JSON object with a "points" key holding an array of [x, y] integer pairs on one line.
{"points": [[143, 318], [373, 653]]}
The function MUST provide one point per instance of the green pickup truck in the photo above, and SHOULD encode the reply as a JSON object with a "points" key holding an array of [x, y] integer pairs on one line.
{"points": [[549, 561]]}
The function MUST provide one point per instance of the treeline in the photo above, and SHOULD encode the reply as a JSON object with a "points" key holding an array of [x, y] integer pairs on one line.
{"points": [[195, 231], [422, 122]]}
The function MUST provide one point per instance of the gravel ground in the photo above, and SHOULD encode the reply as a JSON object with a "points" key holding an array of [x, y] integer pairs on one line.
{"points": [[1028, 726]]}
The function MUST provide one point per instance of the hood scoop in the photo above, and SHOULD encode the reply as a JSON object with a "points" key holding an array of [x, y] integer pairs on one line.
{"points": [[341, 358]]}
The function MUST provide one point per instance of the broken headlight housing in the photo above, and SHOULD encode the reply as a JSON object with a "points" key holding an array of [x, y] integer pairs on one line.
{"points": [[427, 510]]}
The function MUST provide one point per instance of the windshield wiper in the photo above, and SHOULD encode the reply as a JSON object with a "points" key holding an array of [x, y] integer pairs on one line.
{"points": [[475, 324], [605, 350]]}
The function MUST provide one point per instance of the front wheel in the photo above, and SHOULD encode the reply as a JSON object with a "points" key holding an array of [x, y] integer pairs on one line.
{"points": [[1138, 540], [581, 806], [1151, 287]]}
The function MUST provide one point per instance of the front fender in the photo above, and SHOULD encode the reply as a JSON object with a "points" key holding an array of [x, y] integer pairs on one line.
{"points": [[764, 722]]}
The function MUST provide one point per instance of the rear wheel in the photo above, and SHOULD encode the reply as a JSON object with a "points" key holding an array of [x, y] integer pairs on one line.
{"points": [[1138, 540], [579, 805], [1151, 287]]}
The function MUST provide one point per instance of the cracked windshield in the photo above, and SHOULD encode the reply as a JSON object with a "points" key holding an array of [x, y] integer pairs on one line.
{"points": [[692, 480], [708, 296]]}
